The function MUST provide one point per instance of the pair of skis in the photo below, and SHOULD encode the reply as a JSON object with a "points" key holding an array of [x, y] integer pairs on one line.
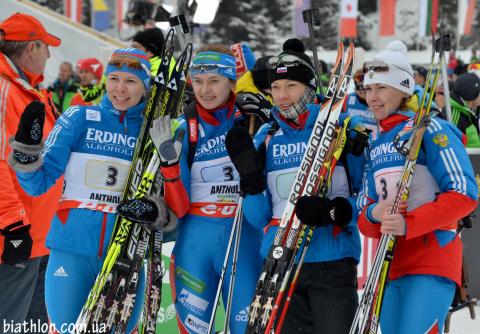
{"points": [[280, 261], [112, 297], [367, 317]]}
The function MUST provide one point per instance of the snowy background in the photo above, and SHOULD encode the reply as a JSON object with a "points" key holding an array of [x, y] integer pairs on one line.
{"points": [[267, 23]]}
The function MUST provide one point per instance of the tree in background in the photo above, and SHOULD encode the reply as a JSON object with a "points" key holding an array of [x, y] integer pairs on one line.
{"points": [[327, 34], [265, 24]]}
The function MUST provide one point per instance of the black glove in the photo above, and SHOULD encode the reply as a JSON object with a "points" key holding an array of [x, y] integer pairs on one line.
{"points": [[321, 211], [357, 141], [248, 161], [27, 142], [254, 104], [17, 246], [151, 211]]}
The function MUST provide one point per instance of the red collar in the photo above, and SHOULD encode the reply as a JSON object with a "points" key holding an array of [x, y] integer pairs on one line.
{"points": [[12, 71], [302, 119], [392, 121], [208, 114], [33, 79]]}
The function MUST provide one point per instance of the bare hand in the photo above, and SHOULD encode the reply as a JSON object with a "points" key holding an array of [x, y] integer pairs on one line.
{"points": [[385, 207], [393, 224]]}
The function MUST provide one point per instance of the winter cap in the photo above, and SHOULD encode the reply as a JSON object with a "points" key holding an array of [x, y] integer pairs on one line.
{"points": [[214, 62], [138, 65], [391, 67], [23, 27], [474, 68], [292, 64], [422, 71], [244, 57], [151, 39], [467, 86], [92, 65], [260, 73]]}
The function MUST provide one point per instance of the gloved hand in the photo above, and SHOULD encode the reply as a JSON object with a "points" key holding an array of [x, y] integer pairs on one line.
{"points": [[357, 141], [27, 143], [17, 246], [254, 104], [151, 211], [91, 92], [321, 211], [168, 149], [248, 161]]}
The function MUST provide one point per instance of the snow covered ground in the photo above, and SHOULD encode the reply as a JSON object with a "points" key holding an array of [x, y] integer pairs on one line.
{"points": [[462, 324]]}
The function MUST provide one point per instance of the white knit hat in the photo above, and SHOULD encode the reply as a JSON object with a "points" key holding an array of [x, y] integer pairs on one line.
{"points": [[398, 72]]}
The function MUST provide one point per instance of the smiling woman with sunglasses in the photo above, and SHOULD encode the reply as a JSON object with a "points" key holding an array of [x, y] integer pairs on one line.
{"points": [[202, 187], [427, 258], [91, 147], [212, 184], [325, 298]]}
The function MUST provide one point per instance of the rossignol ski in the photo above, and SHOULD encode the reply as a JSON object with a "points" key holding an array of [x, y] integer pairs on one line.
{"points": [[367, 317], [271, 284], [325, 178], [112, 296]]}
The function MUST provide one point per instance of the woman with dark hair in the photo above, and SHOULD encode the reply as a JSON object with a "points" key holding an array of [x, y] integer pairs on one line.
{"points": [[325, 297]]}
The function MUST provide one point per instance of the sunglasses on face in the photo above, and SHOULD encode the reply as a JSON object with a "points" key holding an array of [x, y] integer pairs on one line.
{"points": [[359, 85], [287, 61]]}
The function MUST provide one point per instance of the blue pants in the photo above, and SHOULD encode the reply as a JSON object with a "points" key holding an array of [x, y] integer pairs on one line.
{"points": [[68, 281], [196, 267], [416, 304]]}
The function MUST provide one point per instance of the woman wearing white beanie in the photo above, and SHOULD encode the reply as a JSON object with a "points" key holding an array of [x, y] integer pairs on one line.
{"points": [[427, 258]]}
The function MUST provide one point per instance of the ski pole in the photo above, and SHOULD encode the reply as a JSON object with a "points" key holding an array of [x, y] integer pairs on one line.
{"points": [[446, 89], [311, 17], [236, 222], [238, 233], [179, 23]]}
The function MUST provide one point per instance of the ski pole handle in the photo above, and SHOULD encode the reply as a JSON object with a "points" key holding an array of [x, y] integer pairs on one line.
{"points": [[311, 17], [251, 125]]}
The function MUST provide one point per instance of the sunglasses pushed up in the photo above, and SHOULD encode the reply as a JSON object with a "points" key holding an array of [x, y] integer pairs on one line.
{"points": [[286, 60], [119, 61], [207, 68], [381, 66]]}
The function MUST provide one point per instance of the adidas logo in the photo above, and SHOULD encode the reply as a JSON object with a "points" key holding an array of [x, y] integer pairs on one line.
{"points": [[405, 83], [16, 243], [60, 272], [243, 314]]}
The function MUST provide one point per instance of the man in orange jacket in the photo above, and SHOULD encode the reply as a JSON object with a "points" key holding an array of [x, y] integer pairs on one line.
{"points": [[24, 220]]}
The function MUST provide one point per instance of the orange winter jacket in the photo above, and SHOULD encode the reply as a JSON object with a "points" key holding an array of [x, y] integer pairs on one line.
{"points": [[16, 91]]}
